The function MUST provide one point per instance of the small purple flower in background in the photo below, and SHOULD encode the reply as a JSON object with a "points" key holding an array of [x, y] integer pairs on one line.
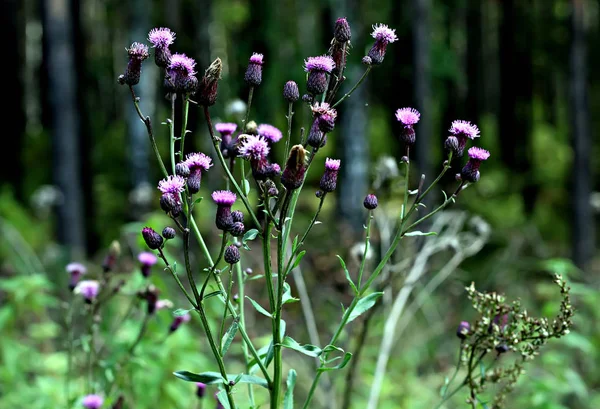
{"points": [[153, 240], [161, 38], [150, 295], [370, 202], [147, 260], [255, 149], [92, 401], [162, 304], [224, 200], [226, 130], [253, 74], [408, 117], [200, 389], [328, 181], [383, 36], [318, 68], [88, 289], [470, 173], [461, 130], [177, 321], [137, 53], [232, 254], [269, 132], [197, 163], [170, 188], [75, 270], [111, 257], [295, 168], [463, 330], [208, 87], [291, 92], [181, 74]]}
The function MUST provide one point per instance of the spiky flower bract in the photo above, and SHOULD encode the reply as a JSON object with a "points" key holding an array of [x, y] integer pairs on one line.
{"points": [[269, 132]]}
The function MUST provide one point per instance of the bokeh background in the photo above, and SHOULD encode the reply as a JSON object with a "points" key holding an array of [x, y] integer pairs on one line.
{"points": [[78, 172]]}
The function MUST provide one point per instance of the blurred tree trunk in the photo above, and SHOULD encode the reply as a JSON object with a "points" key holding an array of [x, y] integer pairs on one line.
{"points": [[516, 82], [474, 61], [12, 31], [583, 220], [62, 94]]}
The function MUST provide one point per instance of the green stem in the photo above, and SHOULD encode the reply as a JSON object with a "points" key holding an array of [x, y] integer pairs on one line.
{"points": [[227, 298], [289, 117], [367, 244], [184, 121], [406, 185], [247, 116], [188, 266], [347, 94], [177, 280], [140, 335], [172, 134], [267, 262]]}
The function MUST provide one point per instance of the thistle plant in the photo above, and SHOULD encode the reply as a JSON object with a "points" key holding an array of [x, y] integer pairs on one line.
{"points": [[242, 152]]}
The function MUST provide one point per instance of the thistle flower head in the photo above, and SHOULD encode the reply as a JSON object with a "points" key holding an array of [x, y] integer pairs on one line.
{"points": [[224, 197], [324, 108], [320, 63], [291, 92], [226, 128], [256, 59], [183, 64], [408, 116], [269, 132], [382, 32], [147, 259], [88, 289], [342, 31], [254, 147], [138, 51], [161, 37], [478, 153], [465, 129], [76, 268], [92, 401], [370, 202], [198, 160], [172, 184], [332, 164]]}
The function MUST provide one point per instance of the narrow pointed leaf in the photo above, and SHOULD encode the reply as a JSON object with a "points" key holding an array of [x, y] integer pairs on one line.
{"points": [[259, 308], [347, 273], [307, 349], [420, 233], [288, 400], [229, 336], [222, 398], [364, 304]]}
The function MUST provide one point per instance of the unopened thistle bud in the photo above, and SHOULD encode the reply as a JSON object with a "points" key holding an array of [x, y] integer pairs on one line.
{"points": [[253, 74], [328, 181], [370, 202], [271, 188], [463, 330], [451, 144], [75, 270], [463, 130], [341, 31], [200, 390], [470, 172], [177, 321], [161, 38], [318, 68], [295, 168], [207, 90], [181, 169], [383, 36], [224, 200], [408, 117], [168, 233], [291, 92], [114, 251], [237, 229], [237, 216], [137, 53], [153, 239], [147, 260], [232, 254]]}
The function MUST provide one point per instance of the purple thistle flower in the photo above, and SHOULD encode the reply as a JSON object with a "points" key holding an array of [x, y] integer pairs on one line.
{"points": [[269, 132], [180, 75], [324, 122], [224, 200], [291, 92], [226, 128], [256, 58], [463, 329], [197, 163], [92, 401], [137, 53], [75, 270], [408, 117], [183, 64], [370, 202], [177, 321], [161, 37], [383, 36], [253, 74], [328, 181], [460, 131], [147, 260], [254, 147], [88, 289], [172, 185], [152, 238], [162, 304], [470, 172], [318, 68]]}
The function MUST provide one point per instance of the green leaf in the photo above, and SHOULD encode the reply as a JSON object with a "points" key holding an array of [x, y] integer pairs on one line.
{"points": [[287, 295], [364, 304], [345, 360], [211, 378], [259, 308], [222, 398], [288, 400], [295, 244], [420, 233], [211, 294], [249, 236], [198, 200], [180, 312], [298, 259], [229, 335], [307, 349], [246, 186], [347, 273]]}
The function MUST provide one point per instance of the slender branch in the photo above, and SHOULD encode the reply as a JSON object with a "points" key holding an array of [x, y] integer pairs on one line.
{"points": [[247, 116], [177, 280], [171, 124], [347, 94], [363, 262], [222, 330], [184, 120], [289, 117]]}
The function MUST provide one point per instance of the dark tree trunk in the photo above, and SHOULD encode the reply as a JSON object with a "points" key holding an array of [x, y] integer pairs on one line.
{"points": [[12, 32], [62, 94], [516, 82], [583, 220], [474, 61]]}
